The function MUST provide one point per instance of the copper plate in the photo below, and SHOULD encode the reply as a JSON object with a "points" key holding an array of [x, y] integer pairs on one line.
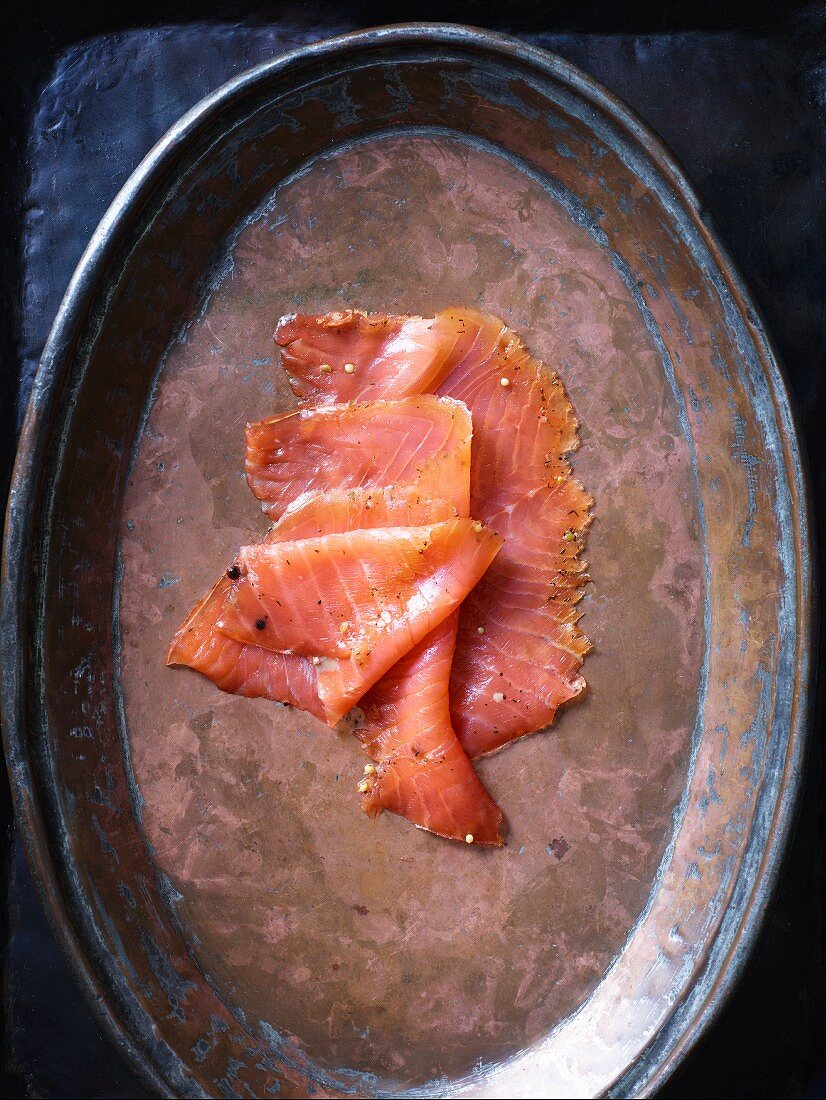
{"points": [[240, 926]]}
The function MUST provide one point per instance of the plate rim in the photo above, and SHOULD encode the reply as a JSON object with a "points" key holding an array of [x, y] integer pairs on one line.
{"points": [[705, 997]]}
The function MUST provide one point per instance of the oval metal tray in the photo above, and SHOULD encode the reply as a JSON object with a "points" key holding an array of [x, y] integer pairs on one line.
{"points": [[238, 924]]}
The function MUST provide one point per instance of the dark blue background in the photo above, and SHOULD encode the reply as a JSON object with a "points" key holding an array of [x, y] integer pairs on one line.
{"points": [[737, 91]]}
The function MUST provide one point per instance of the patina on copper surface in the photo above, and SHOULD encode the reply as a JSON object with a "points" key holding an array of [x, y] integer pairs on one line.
{"points": [[243, 928]]}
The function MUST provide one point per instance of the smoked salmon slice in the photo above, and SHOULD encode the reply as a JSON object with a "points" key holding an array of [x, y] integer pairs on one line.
{"points": [[421, 439], [243, 669], [510, 680], [519, 648], [384, 356], [533, 648], [237, 668], [421, 771], [357, 601]]}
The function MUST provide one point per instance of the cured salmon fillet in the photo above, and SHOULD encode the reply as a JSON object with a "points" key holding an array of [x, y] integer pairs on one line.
{"points": [[422, 772], [519, 647], [390, 356], [510, 681], [357, 601], [421, 439], [243, 669], [237, 668]]}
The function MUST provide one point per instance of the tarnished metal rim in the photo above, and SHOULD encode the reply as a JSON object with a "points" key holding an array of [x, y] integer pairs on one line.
{"points": [[736, 936]]}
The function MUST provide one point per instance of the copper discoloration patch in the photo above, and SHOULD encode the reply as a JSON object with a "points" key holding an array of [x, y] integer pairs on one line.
{"points": [[469, 955]]}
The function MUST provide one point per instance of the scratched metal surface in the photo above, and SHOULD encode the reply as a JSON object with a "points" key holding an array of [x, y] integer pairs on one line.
{"points": [[747, 513]]}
